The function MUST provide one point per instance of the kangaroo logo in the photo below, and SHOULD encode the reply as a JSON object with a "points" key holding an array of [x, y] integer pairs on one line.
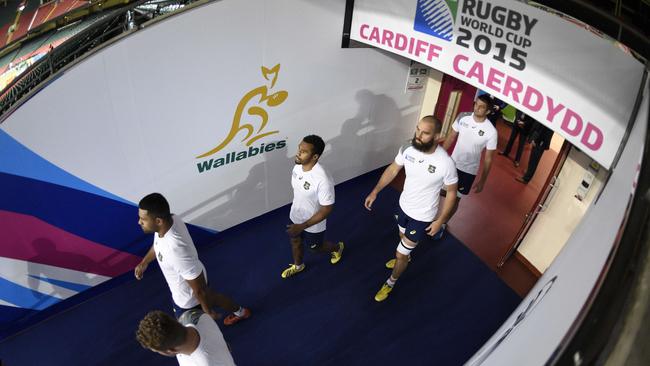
{"points": [[271, 100], [436, 18], [432, 169], [481, 132], [306, 185]]}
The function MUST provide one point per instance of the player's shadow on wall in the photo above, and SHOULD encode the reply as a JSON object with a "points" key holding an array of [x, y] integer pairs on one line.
{"points": [[361, 144], [266, 187]]}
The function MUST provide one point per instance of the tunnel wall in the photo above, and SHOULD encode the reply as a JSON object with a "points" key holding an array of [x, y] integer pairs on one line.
{"points": [[206, 107]]}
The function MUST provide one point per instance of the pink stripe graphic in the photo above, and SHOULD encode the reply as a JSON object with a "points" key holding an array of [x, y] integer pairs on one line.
{"points": [[28, 238]]}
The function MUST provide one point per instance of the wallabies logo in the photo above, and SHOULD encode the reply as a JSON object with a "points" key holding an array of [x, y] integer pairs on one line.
{"points": [[306, 185], [481, 133], [249, 122], [256, 109], [432, 169]]}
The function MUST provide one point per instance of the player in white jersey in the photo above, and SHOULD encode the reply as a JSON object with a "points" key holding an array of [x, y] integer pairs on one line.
{"points": [[474, 133], [198, 343], [428, 168], [313, 201], [179, 262]]}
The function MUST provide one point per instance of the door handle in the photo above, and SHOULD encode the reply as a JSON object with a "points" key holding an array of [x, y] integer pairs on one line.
{"points": [[553, 186]]}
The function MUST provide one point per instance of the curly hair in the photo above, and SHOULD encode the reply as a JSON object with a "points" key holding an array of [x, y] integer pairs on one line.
{"points": [[159, 331]]}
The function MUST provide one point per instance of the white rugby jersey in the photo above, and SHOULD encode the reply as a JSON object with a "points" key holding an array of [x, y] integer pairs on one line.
{"points": [[311, 191], [178, 262], [426, 174], [473, 137], [212, 349]]}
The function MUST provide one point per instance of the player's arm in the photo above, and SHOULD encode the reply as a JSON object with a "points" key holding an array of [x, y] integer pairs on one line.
{"points": [[200, 290], [387, 176], [320, 215], [144, 263], [487, 165], [451, 138], [447, 206]]}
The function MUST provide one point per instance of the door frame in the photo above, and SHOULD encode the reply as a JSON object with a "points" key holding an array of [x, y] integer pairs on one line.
{"points": [[538, 206]]}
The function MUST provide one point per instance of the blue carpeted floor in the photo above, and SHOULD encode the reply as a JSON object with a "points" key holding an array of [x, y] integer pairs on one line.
{"points": [[446, 305]]}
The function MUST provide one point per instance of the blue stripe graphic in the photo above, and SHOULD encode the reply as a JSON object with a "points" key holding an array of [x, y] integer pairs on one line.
{"points": [[428, 6], [24, 297], [445, 26], [110, 223], [435, 11], [65, 284], [436, 23], [17, 159]]}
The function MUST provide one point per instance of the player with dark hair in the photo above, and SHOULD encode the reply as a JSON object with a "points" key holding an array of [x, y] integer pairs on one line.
{"points": [[313, 201], [428, 168], [179, 262], [474, 134], [199, 343]]}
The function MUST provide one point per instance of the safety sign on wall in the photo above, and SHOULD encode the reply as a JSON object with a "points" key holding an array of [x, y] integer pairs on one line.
{"points": [[418, 75]]}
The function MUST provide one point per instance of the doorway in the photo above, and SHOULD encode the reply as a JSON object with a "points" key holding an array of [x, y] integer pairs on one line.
{"points": [[489, 223], [573, 189], [455, 97]]}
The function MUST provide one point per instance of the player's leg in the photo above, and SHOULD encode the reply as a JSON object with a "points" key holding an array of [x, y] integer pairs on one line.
{"points": [[413, 232], [238, 313], [335, 250], [296, 250], [465, 182], [220, 300], [401, 227], [317, 242], [297, 253], [402, 255]]}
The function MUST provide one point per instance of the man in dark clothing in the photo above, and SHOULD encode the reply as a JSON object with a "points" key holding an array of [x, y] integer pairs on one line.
{"points": [[541, 139], [521, 127], [496, 112]]}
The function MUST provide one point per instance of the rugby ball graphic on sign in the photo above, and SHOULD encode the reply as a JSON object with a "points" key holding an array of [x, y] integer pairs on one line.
{"points": [[436, 18]]}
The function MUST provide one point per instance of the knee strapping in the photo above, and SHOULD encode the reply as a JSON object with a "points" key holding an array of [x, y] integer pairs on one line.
{"points": [[403, 248]]}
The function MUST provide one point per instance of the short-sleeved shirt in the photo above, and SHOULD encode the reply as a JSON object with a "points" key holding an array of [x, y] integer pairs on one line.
{"points": [[311, 191], [473, 137], [426, 174], [178, 262], [212, 349]]}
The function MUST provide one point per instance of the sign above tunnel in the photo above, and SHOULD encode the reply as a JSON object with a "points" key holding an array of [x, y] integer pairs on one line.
{"points": [[561, 72]]}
